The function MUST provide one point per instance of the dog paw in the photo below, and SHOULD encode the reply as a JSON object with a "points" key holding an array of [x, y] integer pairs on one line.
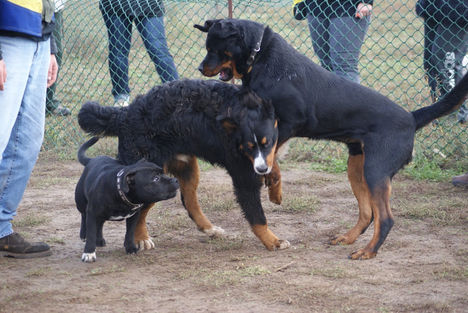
{"points": [[341, 240], [215, 232], [88, 257], [283, 244], [362, 254], [131, 250], [147, 244]]}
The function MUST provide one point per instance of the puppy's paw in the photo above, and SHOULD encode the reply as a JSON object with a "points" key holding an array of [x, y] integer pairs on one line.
{"points": [[215, 232], [131, 250], [88, 257], [147, 244]]}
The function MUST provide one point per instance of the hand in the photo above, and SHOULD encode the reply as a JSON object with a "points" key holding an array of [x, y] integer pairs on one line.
{"points": [[2, 74], [53, 70], [363, 9]]}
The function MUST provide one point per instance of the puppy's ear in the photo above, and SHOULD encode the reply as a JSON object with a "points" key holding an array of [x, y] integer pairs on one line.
{"points": [[205, 28], [227, 123], [127, 181]]}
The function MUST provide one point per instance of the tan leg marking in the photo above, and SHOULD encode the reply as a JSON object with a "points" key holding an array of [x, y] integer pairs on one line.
{"points": [[382, 212], [273, 181], [188, 175], [269, 239], [362, 194], [142, 238]]}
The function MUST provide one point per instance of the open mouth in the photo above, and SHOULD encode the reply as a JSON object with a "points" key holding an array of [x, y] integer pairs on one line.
{"points": [[225, 74]]}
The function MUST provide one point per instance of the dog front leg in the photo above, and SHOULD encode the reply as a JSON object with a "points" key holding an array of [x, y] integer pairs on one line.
{"points": [[89, 254], [248, 197], [142, 238], [273, 182], [129, 243]]}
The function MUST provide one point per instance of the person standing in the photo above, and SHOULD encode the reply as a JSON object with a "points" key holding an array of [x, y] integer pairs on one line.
{"points": [[27, 67], [337, 29], [53, 105], [445, 45], [147, 15]]}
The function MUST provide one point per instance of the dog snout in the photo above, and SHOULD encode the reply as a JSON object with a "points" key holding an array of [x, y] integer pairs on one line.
{"points": [[261, 169], [200, 67]]}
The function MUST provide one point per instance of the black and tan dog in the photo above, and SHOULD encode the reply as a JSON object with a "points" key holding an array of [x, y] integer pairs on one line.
{"points": [[178, 121], [314, 103], [108, 190]]}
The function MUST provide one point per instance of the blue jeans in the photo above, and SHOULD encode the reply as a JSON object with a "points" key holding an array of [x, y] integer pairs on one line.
{"points": [[337, 43], [119, 31], [22, 107]]}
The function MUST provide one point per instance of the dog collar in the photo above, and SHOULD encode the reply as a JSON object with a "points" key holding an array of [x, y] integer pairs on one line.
{"points": [[254, 52], [122, 194]]}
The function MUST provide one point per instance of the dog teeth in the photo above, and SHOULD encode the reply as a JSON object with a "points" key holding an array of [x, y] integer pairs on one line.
{"points": [[89, 257]]}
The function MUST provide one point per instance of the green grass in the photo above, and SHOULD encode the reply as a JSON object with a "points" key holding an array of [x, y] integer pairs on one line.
{"points": [[391, 62]]}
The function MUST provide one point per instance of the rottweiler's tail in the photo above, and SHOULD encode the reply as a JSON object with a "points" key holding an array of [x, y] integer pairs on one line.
{"points": [[449, 103], [82, 151], [100, 120]]}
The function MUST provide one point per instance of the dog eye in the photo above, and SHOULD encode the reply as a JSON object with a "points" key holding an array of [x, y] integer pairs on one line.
{"points": [[156, 178]]}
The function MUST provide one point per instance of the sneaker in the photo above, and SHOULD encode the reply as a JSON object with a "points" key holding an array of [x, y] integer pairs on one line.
{"points": [[121, 103], [15, 246], [60, 111], [461, 181], [121, 100]]}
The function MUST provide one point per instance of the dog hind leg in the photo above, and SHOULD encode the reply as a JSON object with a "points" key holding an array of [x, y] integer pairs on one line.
{"points": [[188, 175], [383, 221], [362, 194]]}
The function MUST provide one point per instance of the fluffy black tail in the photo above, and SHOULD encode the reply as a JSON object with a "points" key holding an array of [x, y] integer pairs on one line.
{"points": [[81, 152], [449, 103], [100, 120]]}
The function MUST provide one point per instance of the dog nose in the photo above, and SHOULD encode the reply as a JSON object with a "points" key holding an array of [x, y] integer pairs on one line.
{"points": [[175, 181], [261, 169], [200, 67]]}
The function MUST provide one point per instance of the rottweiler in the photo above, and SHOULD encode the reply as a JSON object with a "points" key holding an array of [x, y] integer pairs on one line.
{"points": [[312, 102], [176, 122], [108, 190]]}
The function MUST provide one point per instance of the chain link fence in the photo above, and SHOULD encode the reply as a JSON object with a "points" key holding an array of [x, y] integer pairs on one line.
{"points": [[391, 61]]}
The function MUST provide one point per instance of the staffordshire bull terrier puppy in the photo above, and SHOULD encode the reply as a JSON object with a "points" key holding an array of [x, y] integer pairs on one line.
{"points": [[108, 190]]}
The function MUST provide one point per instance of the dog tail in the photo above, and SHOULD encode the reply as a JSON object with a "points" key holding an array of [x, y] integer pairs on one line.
{"points": [[84, 160], [99, 120], [449, 103]]}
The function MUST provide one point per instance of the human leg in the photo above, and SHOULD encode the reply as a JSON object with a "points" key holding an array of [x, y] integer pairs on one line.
{"points": [[21, 133], [153, 33], [320, 37], [119, 31], [346, 39]]}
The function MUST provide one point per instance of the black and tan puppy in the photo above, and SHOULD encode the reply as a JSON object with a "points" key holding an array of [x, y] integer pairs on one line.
{"points": [[173, 123], [312, 102], [108, 190]]}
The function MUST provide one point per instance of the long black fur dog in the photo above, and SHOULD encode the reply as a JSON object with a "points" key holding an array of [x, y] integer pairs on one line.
{"points": [[178, 121], [109, 190], [312, 102]]}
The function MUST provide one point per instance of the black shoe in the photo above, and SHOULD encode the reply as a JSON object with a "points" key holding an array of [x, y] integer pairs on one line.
{"points": [[15, 246]]}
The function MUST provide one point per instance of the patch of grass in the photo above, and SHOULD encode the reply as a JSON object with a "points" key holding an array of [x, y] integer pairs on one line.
{"points": [[451, 272], [38, 272], [106, 270], [55, 240], [299, 204], [30, 221], [336, 272], [226, 244], [250, 271]]}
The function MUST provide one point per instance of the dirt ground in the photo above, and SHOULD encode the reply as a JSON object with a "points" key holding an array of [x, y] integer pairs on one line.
{"points": [[422, 266]]}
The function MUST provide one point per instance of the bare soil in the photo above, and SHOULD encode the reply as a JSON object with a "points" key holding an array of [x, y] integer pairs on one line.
{"points": [[422, 266]]}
